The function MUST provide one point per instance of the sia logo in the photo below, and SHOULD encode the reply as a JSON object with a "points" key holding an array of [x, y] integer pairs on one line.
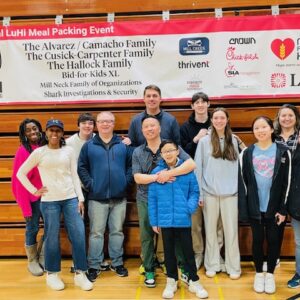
{"points": [[282, 48]]}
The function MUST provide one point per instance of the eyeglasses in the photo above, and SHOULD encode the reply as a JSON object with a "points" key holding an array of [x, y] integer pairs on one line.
{"points": [[168, 151], [106, 121]]}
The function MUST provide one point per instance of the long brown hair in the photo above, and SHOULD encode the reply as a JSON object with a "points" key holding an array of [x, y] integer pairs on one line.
{"points": [[228, 152]]}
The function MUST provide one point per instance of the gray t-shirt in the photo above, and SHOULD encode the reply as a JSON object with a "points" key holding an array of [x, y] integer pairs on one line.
{"points": [[143, 162]]}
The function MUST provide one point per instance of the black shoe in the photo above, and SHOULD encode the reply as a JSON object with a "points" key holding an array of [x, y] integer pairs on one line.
{"points": [[92, 274], [72, 269], [120, 270], [104, 266]]}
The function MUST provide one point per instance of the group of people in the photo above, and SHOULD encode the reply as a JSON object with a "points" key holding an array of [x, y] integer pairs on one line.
{"points": [[196, 176]]}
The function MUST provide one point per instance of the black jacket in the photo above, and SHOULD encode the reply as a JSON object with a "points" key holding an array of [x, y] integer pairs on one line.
{"points": [[188, 131], [293, 204], [248, 194]]}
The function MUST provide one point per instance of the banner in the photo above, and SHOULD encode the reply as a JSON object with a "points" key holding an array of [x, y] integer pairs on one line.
{"points": [[227, 58]]}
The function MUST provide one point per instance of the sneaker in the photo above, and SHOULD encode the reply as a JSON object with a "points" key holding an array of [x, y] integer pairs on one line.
{"points": [[270, 286], [81, 280], [54, 282], [92, 274], [234, 276], [196, 288], [210, 273], [149, 279], [104, 266], [120, 270], [259, 283], [170, 289], [142, 269], [294, 282], [184, 276]]}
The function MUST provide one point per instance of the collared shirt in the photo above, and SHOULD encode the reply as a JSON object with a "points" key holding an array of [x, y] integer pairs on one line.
{"points": [[291, 142]]}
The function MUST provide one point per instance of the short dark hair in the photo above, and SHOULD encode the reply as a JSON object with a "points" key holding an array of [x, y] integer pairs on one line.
{"points": [[86, 117], [198, 96], [165, 142], [152, 87], [150, 116]]}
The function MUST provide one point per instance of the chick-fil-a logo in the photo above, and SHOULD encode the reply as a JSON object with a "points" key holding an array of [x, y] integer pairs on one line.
{"points": [[231, 55]]}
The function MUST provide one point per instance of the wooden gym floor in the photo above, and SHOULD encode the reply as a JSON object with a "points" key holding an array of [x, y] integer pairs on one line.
{"points": [[16, 283]]}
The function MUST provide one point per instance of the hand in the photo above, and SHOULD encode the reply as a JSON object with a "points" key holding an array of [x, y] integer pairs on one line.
{"points": [[126, 140], [41, 192], [28, 219], [279, 218], [81, 208], [200, 203], [164, 176], [200, 135], [156, 229]]}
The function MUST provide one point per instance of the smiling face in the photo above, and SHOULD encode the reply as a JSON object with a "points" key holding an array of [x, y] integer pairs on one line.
{"points": [[200, 107], [105, 124], [287, 118], [151, 129], [169, 153], [152, 101], [54, 135], [32, 133], [219, 121], [86, 128], [262, 130]]}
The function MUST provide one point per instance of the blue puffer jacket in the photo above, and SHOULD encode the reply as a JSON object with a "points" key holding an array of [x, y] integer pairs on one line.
{"points": [[105, 173], [172, 204]]}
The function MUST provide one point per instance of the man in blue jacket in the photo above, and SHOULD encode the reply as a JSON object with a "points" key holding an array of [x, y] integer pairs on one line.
{"points": [[104, 168]]}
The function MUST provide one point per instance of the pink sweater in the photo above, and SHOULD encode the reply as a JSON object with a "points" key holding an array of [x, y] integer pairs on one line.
{"points": [[23, 197]]}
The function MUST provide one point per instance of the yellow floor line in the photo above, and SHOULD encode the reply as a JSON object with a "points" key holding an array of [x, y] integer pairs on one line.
{"points": [[139, 289], [220, 292], [182, 288]]}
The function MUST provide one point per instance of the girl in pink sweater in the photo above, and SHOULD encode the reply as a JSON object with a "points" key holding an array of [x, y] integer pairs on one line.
{"points": [[30, 134]]}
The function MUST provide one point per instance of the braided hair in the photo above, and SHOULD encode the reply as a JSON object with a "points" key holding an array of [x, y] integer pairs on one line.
{"points": [[23, 139]]}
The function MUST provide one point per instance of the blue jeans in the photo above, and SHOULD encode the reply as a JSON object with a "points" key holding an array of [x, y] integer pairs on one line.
{"points": [[296, 227], [32, 226], [100, 214], [76, 233]]}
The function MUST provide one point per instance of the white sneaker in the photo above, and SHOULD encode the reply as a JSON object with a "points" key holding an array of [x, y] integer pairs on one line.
{"points": [[81, 280], [196, 288], [210, 273], [259, 283], [54, 282], [234, 276], [270, 286], [170, 289]]}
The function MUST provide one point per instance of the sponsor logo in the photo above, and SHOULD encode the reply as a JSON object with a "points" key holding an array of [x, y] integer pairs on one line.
{"points": [[231, 71], [232, 55], [242, 41], [295, 81], [278, 80], [282, 48], [194, 46], [298, 49]]}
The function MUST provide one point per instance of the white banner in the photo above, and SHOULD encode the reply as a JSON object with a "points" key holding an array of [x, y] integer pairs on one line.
{"points": [[231, 57]]}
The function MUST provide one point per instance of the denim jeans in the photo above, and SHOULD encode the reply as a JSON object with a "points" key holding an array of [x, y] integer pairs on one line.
{"points": [[112, 213], [296, 227], [32, 226], [76, 233]]}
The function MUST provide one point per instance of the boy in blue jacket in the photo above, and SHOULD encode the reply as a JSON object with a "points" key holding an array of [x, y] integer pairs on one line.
{"points": [[170, 207]]}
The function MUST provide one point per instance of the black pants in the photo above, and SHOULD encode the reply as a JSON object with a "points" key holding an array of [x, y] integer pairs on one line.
{"points": [[184, 238], [269, 230]]}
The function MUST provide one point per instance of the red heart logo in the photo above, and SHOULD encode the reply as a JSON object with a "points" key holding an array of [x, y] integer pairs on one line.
{"points": [[282, 48]]}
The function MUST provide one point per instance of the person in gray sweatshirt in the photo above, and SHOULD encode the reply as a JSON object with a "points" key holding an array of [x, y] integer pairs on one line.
{"points": [[217, 173]]}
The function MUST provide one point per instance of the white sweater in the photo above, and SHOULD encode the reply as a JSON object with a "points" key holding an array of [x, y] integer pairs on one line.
{"points": [[76, 143], [58, 171]]}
